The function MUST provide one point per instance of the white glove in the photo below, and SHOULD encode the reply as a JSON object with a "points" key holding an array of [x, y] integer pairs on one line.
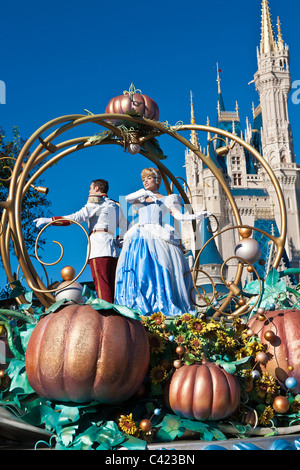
{"points": [[140, 194], [198, 216], [42, 221]]}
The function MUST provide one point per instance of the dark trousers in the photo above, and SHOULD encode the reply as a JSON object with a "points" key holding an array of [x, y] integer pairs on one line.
{"points": [[104, 272]]}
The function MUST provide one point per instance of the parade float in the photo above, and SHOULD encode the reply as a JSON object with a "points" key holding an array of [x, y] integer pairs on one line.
{"points": [[84, 374]]}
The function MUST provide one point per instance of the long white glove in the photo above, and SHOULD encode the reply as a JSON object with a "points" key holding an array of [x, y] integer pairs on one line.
{"points": [[140, 194], [198, 216], [42, 221]]}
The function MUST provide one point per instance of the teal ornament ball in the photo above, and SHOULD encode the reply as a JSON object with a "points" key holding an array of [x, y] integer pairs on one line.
{"points": [[291, 383]]}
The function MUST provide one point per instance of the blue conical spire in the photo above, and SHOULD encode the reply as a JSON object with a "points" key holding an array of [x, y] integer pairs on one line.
{"points": [[210, 254]]}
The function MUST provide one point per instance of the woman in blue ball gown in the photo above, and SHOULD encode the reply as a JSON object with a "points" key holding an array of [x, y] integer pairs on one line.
{"points": [[152, 272]]}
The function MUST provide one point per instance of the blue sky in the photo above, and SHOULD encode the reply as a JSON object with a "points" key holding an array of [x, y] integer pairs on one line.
{"points": [[62, 57]]}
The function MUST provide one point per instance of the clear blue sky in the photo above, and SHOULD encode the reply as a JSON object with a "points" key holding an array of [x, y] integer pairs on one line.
{"points": [[62, 57]]}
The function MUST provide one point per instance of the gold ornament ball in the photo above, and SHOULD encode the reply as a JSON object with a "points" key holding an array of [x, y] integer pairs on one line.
{"points": [[177, 363], [250, 332], [245, 232], [146, 425], [281, 404], [180, 350], [261, 357], [68, 273], [291, 368], [261, 310], [250, 269], [241, 302], [269, 336]]}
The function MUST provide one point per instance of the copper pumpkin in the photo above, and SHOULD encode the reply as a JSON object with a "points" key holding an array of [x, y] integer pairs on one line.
{"points": [[79, 354], [283, 349], [139, 103], [203, 392]]}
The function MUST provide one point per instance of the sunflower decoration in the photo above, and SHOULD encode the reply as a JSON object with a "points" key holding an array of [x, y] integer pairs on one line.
{"points": [[157, 319], [196, 345], [265, 419], [266, 388], [250, 346], [295, 405], [196, 326], [157, 342], [185, 318], [128, 425], [181, 339], [158, 374]]}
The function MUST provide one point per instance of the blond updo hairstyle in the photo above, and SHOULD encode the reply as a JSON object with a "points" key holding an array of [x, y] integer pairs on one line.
{"points": [[154, 172]]}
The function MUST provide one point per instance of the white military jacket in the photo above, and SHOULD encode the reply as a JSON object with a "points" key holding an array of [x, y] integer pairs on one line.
{"points": [[103, 217]]}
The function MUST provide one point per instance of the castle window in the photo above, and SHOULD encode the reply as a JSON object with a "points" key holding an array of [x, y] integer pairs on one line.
{"points": [[283, 158], [237, 179], [235, 160]]}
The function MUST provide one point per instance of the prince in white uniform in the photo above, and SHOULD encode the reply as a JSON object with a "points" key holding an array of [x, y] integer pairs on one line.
{"points": [[103, 216]]}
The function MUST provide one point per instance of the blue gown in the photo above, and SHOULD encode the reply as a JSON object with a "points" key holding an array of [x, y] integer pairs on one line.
{"points": [[152, 272]]}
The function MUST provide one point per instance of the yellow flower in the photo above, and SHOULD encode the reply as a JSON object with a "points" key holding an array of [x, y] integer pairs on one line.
{"points": [[186, 317], [226, 341], [158, 318], [196, 344], [295, 406], [266, 416], [127, 424], [157, 342], [180, 339], [251, 349], [196, 326], [158, 374], [266, 387], [212, 325]]}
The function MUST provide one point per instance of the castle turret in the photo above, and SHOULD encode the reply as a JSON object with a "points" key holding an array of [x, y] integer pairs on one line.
{"points": [[273, 83]]}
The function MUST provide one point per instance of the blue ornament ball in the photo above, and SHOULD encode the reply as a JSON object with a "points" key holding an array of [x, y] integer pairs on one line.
{"points": [[291, 383], [171, 338], [272, 307], [157, 411]]}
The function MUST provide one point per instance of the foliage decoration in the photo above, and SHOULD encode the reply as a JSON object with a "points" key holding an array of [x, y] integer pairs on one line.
{"points": [[173, 341]]}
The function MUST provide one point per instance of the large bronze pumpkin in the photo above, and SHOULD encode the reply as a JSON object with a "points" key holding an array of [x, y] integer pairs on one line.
{"points": [[79, 354], [203, 392], [284, 349], [131, 101]]}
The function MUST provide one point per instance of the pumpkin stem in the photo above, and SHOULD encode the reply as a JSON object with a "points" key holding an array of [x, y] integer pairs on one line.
{"points": [[132, 90], [204, 359]]}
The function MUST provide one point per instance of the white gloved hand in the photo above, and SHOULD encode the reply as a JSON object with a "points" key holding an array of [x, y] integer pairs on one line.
{"points": [[140, 194], [198, 216], [42, 221]]}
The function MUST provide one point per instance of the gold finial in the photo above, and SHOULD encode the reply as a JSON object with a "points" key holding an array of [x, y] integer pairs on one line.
{"points": [[280, 40], [192, 109], [218, 79], [267, 32]]}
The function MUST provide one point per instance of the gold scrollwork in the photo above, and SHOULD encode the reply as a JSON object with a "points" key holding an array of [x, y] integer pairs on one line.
{"points": [[19, 183], [43, 263]]}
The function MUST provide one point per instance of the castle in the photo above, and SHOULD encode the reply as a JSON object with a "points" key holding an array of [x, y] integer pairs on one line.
{"points": [[270, 134]]}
